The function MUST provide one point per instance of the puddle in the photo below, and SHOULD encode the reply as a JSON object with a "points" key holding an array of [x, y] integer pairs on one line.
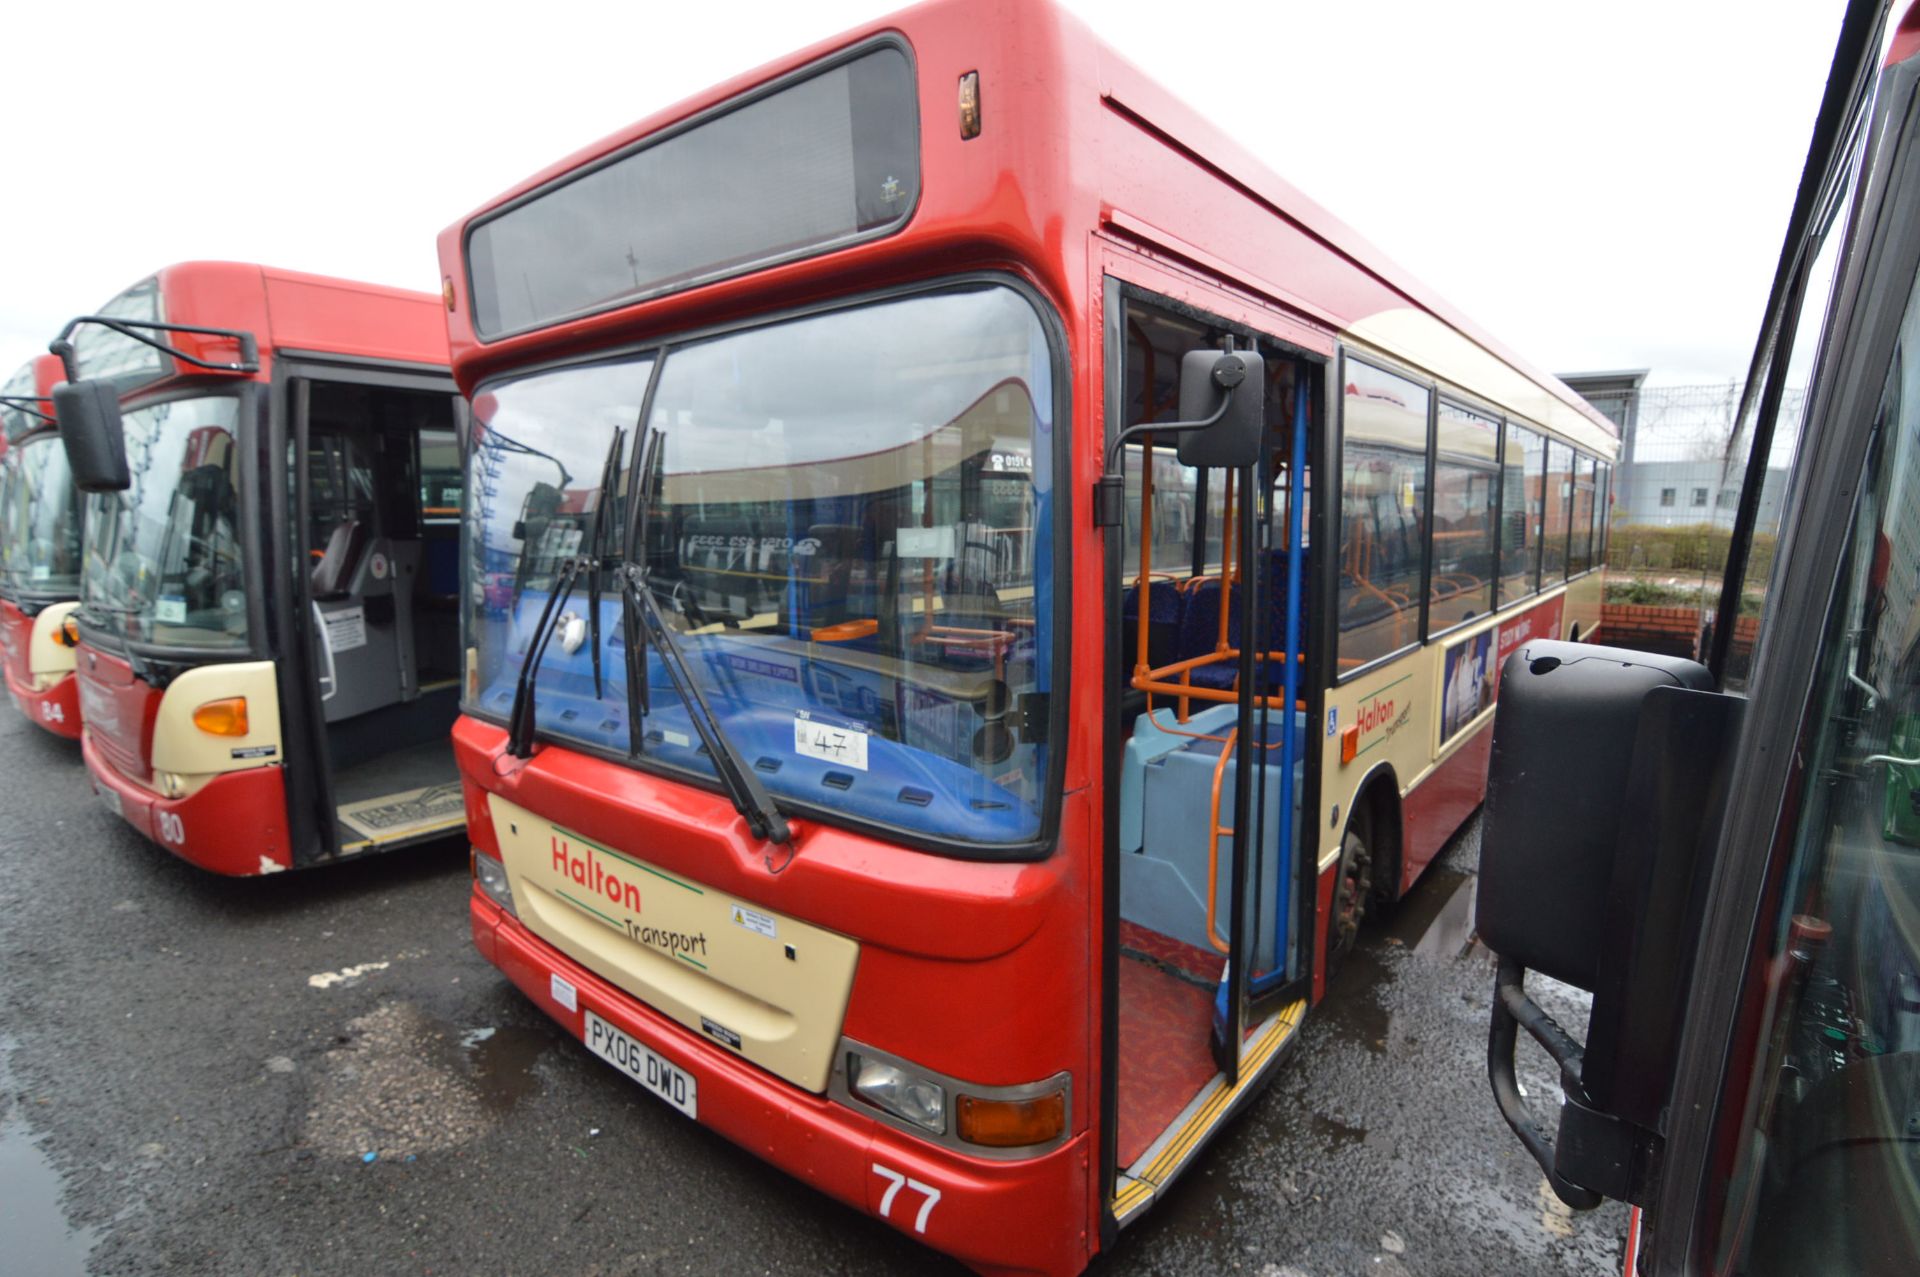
{"points": [[1436, 921], [501, 1063], [38, 1240], [1352, 1008], [1338, 1134]]}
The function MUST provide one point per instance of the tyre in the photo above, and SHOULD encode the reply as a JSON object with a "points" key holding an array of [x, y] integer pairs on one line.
{"points": [[1352, 889]]}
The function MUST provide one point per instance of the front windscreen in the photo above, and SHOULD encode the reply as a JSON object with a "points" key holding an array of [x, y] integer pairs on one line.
{"points": [[825, 160], [165, 564], [105, 355], [41, 551], [849, 541]]}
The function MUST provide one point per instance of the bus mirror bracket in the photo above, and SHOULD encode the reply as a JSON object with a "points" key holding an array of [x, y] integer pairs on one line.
{"points": [[1224, 415], [89, 417]]}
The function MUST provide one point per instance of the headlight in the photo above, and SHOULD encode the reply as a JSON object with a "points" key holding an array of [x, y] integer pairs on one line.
{"points": [[492, 877], [903, 1094]]}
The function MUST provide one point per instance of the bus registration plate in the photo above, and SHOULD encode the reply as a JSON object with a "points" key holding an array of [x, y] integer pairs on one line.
{"points": [[668, 1081]]}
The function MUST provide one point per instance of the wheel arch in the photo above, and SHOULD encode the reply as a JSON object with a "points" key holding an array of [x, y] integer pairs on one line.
{"points": [[1377, 796]]}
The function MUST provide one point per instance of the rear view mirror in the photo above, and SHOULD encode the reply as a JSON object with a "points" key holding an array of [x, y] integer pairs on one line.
{"points": [[89, 417], [1605, 792], [1234, 438]]}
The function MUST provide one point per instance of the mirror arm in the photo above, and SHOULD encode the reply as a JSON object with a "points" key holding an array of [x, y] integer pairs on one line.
{"points": [[249, 360], [29, 404], [1110, 489], [1512, 1010]]}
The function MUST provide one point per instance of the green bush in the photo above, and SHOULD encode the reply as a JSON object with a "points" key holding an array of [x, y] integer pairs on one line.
{"points": [[1698, 547], [1644, 593]]}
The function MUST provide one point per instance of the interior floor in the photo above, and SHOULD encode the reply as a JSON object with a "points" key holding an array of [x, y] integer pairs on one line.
{"points": [[1166, 1021], [416, 767]]}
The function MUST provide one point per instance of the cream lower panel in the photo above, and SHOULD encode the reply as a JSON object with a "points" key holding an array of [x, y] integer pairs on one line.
{"points": [[182, 748], [46, 654], [769, 987]]}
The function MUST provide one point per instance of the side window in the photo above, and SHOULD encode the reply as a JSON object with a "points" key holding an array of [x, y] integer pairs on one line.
{"points": [[441, 477], [1383, 512], [1465, 472], [1602, 514], [1580, 551], [1519, 514], [1827, 1167], [339, 486], [1556, 506]]}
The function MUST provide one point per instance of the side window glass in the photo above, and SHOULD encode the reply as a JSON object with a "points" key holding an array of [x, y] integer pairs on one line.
{"points": [[1580, 551], [1465, 473], [1383, 513], [1556, 509], [441, 478], [1520, 514]]}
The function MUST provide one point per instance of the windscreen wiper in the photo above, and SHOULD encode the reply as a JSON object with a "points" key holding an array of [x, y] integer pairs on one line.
{"points": [[750, 797], [520, 717], [596, 550]]}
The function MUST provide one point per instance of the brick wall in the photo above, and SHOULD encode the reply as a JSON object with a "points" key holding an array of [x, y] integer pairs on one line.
{"points": [[1671, 631]]}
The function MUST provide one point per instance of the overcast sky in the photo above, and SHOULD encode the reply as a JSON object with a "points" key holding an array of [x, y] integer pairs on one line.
{"points": [[1601, 186]]}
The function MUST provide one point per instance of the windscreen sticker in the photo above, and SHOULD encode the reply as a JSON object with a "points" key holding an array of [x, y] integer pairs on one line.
{"points": [[829, 742], [924, 543], [347, 629], [171, 610], [42, 572]]}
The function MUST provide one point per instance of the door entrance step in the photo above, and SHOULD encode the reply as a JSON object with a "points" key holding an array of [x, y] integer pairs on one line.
{"points": [[407, 816]]}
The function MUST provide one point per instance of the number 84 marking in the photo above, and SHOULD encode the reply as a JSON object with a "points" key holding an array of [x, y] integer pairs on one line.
{"points": [[895, 1180]]}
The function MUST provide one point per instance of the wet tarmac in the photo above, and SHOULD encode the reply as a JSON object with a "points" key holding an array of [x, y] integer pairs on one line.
{"points": [[316, 1074]]}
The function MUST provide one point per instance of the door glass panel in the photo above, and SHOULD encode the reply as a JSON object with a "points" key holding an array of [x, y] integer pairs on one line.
{"points": [[1828, 1178]]}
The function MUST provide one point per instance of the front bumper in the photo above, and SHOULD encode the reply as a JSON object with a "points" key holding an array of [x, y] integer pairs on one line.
{"points": [[56, 708], [1028, 1216], [235, 824]]}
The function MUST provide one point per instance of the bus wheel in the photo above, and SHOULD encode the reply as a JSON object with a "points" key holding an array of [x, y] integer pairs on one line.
{"points": [[1352, 886]]}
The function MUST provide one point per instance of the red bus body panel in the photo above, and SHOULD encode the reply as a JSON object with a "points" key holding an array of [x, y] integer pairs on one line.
{"points": [[57, 708], [236, 824]]}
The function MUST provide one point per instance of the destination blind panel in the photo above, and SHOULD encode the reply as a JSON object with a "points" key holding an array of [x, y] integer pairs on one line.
{"points": [[825, 161]]}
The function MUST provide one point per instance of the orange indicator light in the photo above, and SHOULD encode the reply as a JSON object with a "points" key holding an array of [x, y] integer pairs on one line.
{"points": [[226, 717], [70, 631], [1012, 1123], [1349, 743]]}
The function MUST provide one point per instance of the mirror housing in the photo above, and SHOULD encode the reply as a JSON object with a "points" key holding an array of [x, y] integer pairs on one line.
{"points": [[1605, 795], [1206, 376], [1562, 743], [89, 415]]}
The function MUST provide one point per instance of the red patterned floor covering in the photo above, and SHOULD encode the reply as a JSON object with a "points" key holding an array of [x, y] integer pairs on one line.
{"points": [[1164, 1061]]}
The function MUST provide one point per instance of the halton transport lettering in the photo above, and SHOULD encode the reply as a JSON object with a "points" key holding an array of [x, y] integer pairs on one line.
{"points": [[593, 873]]}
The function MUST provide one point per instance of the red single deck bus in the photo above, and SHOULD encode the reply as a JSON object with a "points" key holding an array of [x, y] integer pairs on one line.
{"points": [[269, 622], [39, 552], [850, 733]]}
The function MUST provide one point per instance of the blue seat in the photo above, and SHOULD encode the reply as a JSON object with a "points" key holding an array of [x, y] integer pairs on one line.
{"points": [[1166, 607]]}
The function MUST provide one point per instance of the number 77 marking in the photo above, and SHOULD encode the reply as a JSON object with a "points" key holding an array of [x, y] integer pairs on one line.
{"points": [[894, 1181]]}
